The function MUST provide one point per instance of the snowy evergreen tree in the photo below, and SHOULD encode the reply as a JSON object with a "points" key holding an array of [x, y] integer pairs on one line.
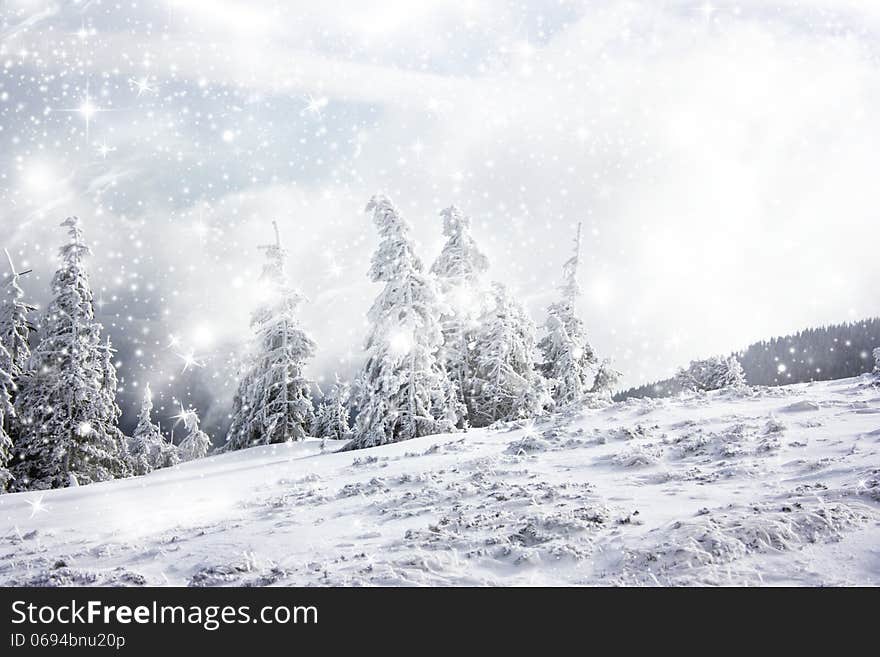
{"points": [[67, 425], [568, 359], [403, 390], [273, 403], [14, 332], [168, 455], [197, 444], [108, 411], [147, 448], [459, 269], [606, 379], [712, 373], [6, 410], [877, 360], [331, 418], [14, 325], [505, 384]]}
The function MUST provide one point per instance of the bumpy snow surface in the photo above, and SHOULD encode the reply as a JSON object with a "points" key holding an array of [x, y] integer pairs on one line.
{"points": [[768, 486]]}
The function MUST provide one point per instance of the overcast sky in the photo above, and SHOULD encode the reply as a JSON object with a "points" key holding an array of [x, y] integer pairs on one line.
{"points": [[723, 158]]}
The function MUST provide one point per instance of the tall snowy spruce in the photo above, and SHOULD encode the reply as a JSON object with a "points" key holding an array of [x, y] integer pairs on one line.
{"points": [[66, 399], [459, 269], [505, 384], [273, 403], [14, 325], [403, 390], [331, 418], [14, 332], [6, 410], [197, 444], [110, 411], [568, 359], [147, 448]]}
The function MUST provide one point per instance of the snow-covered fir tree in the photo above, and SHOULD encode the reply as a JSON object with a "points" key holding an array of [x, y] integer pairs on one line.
{"points": [[14, 332], [197, 444], [14, 325], [148, 450], [331, 418], [568, 359], [6, 410], [168, 455], [877, 360], [459, 269], [606, 379], [403, 391], [273, 402], [66, 411], [504, 384], [712, 373], [108, 410]]}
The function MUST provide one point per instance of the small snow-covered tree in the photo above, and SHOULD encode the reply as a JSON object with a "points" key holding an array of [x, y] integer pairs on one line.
{"points": [[459, 269], [67, 428], [877, 360], [147, 448], [504, 384], [606, 379], [331, 418], [168, 455], [273, 403], [568, 359], [403, 391], [108, 411], [14, 325], [6, 409], [712, 373], [197, 444]]}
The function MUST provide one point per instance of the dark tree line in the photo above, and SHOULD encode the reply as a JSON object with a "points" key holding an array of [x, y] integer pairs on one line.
{"points": [[815, 354]]}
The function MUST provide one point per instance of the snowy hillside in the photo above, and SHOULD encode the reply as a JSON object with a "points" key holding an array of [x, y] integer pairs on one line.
{"points": [[770, 486]]}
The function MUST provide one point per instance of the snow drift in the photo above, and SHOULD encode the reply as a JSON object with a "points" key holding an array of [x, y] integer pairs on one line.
{"points": [[759, 486]]}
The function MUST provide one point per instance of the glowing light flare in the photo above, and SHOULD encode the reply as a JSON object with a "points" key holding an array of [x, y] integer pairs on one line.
{"points": [[315, 104], [142, 86], [104, 150], [465, 301], [37, 506], [188, 416], [203, 336], [189, 361], [400, 342], [88, 109], [529, 430], [38, 177]]}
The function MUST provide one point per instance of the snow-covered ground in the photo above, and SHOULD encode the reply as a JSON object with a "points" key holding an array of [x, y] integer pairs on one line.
{"points": [[770, 486]]}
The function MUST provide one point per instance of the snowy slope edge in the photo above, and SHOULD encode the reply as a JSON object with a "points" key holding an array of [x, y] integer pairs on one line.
{"points": [[766, 486]]}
